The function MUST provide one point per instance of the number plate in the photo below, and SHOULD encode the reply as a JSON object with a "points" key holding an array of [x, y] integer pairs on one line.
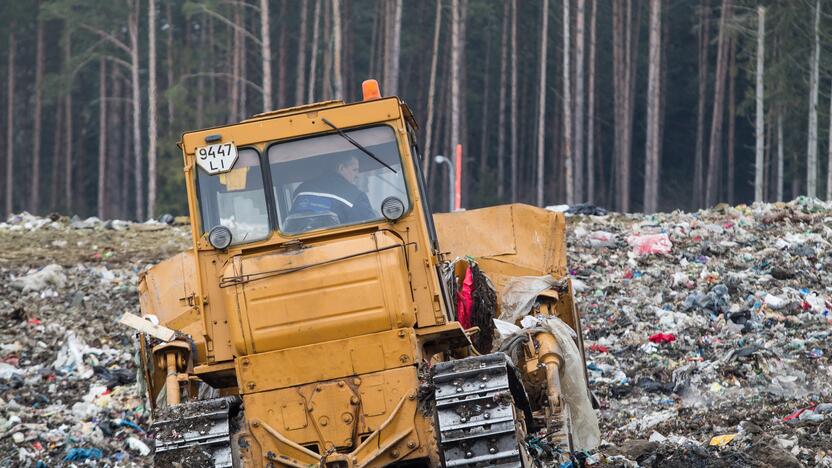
{"points": [[218, 158]]}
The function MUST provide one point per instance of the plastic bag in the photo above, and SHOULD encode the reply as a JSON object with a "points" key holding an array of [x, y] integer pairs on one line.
{"points": [[504, 331], [519, 295], [647, 244]]}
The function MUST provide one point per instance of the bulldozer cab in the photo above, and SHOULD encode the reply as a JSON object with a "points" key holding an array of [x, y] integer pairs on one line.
{"points": [[302, 172]]}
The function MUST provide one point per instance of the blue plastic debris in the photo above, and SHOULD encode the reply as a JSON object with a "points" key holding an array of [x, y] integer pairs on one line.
{"points": [[128, 423], [79, 454]]}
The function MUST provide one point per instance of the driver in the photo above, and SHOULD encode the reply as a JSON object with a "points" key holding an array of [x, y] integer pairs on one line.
{"points": [[335, 191]]}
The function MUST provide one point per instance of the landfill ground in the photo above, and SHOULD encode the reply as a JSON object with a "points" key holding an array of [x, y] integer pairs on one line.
{"points": [[707, 336]]}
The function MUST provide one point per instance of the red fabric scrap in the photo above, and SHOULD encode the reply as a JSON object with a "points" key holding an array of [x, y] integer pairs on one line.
{"points": [[794, 415], [598, 348], [661, 338], [464, 302]]}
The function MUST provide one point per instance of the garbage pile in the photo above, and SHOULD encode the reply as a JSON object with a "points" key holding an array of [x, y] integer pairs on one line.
{"points": [[67, 372], [707, 334]]}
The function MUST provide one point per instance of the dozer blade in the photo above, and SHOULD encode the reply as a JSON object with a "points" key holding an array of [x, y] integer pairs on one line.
{"points": [[195, 434]]}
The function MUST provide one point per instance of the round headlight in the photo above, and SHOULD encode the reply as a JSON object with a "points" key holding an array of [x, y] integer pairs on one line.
{"points": [[392, 208], [220, 237]]}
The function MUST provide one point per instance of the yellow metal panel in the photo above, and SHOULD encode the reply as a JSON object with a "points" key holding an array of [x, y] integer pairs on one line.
{"points": [[166, 290], [396, 430], [325, 292], [215, 308], [294, 414], [326, 361], [538, 237]]}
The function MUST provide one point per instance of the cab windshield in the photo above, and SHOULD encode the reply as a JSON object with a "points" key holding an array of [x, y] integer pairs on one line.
{"points": [[235, 199], [325, 181]]}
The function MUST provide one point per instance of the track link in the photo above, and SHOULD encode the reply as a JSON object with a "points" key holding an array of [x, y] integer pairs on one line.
{"points": [[478, 423]]}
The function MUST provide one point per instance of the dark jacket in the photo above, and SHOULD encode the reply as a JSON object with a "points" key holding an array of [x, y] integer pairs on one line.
{"points": [[331, 192]]}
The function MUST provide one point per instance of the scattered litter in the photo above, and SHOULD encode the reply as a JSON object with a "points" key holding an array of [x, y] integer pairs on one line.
{"points": [[138, 446], [68, 391], [745, 291], [722, 440], [646, 244], [662, 338], [50, 275]]}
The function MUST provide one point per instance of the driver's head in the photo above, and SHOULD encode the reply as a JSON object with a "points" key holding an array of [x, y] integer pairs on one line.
{"points": [[348, 168]]}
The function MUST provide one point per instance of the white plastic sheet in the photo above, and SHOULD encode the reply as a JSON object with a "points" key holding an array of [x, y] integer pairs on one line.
{"points": [[50, 275], [586, 434], [519, 295]]}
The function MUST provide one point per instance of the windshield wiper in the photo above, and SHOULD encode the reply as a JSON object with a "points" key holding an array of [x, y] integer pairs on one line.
{"points": [[357, 145]]}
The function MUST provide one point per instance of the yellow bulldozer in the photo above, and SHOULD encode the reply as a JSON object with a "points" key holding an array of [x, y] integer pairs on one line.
{"points": [[324, 317]]}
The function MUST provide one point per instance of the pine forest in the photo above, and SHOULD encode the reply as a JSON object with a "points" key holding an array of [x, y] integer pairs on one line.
{"points": [[633, 105]]}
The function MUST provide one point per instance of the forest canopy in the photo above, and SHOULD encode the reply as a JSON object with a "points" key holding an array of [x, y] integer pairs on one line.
{"points": [[635, 105]]}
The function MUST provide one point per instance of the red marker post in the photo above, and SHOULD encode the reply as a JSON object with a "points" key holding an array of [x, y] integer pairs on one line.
{"points": [[458, 181]]}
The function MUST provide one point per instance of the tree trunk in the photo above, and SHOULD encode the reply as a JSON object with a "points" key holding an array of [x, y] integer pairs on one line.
{"points": [[34, 202], [282, 46], [200, 80], [349, 78], [314, 59], [301, 65], [326, 41], [102, 136], [266, 45], [501, 114], [699, 158], [463, 114], [590, 130], [714, 150], [375, 42], [133, 31], [337, 71], [233, 92], [242, 47], [651, 158], [662, 102], [126, 141], [432, 89], [10, 125], [620, 88], [541, 98], [114, 140], [484, 134], [812, 152], [569, 171], [456, 44], [732, 119], [759, 122], [579, 100], [56, 156], [152, 132], [779, 177], [68, 162], [169, 57], [514, 84], [392, 84], [632, 40]]}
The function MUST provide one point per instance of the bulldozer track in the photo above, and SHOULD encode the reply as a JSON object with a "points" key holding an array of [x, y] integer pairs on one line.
{"points": [[478, 422]]}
